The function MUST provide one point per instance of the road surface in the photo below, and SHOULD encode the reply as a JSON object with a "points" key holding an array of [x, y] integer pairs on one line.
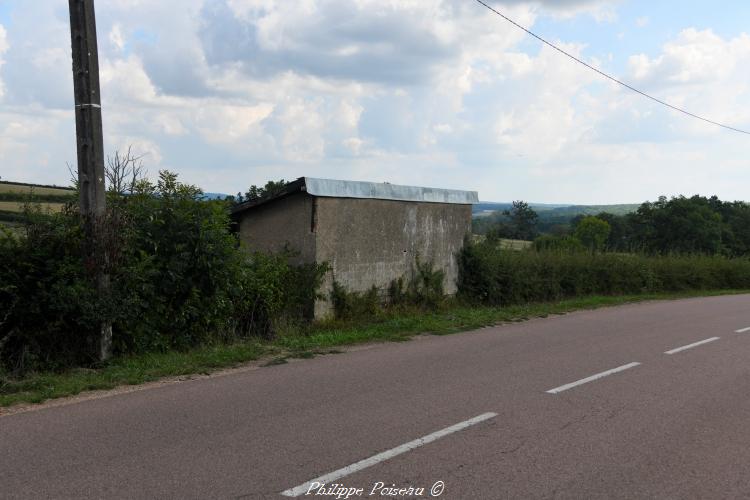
{"points": [[648, 400]]}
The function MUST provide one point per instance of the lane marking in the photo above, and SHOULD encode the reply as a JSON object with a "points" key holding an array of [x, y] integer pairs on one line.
{"points": [[586, 380], [381, 457], [743, 330], [690, 346]]}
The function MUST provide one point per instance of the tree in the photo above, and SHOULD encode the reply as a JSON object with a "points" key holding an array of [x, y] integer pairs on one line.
{"points": [[123, 171], [685, 225], [592, 233], [620, 234], [255, 193], [522, 221]]}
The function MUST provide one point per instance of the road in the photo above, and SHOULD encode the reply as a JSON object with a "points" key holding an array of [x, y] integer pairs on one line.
{"points": [[586, 405]]}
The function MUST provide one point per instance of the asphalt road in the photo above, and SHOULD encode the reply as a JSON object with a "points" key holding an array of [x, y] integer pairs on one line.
{"points": [[586, 405]]}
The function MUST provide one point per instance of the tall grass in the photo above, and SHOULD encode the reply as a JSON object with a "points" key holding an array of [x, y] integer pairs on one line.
{"points": [[500, 277]]}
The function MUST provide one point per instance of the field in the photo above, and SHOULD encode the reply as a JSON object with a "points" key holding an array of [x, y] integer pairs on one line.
{"points": [[38, 190], [504, 243], [14, 195], [14, 206]]}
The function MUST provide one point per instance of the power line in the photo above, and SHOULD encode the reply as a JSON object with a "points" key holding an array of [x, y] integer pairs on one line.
{"points": [[605, 75]]}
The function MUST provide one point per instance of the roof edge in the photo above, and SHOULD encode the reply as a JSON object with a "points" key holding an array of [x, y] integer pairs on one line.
{"points": [[386, 191], [333, 188]]}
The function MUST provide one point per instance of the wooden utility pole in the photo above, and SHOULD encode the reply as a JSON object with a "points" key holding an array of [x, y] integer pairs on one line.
{"points": [[90, 149]]}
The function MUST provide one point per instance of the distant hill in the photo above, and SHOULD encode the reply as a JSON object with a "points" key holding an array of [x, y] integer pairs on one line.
{"points": [[552, 218], [214, 196], [487, 208]]}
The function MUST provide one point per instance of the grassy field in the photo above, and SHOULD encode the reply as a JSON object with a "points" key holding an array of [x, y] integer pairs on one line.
{"points": [[504, 243], [14, 206], [321, 338], [38, 190], [13, 196]]}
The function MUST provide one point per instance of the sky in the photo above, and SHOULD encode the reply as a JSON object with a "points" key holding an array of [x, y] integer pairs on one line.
{"points": [[439, 93]]}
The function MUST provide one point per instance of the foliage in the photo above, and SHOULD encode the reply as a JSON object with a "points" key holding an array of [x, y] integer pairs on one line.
{"points": [[256, 192], [558, 243], [269, 288], [497, 277], [353, 305], [592, 232], [424, 288], [49, 305], [522, 221], [179, 279], [180, 266], [519, 222]]}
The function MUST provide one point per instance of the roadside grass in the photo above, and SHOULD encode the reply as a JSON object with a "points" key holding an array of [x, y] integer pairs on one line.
{"points": [[319, 338]]}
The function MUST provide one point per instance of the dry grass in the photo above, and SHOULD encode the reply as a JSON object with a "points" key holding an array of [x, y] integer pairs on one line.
{"points": [[14, 206], [515, 244], [504, 243]]}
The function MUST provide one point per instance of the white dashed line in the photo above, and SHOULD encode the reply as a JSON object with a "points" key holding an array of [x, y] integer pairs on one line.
{"points": [[690, 346], [381, 457], [743, 330], [586, 380]]}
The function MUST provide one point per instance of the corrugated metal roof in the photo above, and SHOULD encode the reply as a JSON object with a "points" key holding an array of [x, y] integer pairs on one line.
{"points": [[385, 191]]}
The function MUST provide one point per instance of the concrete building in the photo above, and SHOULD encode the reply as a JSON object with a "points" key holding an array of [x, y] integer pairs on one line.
{"points": [[369, 233]]}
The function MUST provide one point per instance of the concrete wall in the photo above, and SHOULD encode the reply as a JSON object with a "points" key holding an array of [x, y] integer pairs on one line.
{"points": [[271, 226], [372, 242], [366, 241]]}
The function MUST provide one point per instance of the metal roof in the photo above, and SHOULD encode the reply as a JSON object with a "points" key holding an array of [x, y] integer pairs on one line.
{"points": [[332, 188], [385, 191]]}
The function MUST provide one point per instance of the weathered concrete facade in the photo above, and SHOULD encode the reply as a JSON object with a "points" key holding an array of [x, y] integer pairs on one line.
{"points": [[287, 221], [367, 241]]}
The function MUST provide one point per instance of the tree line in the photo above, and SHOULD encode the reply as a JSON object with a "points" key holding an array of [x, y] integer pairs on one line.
{"points": [[694, 225]]}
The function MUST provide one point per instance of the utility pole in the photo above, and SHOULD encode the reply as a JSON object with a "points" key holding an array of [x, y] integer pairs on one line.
{"points": [[90, 150]]}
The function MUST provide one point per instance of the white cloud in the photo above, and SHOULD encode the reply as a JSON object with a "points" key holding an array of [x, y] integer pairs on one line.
{"points": [[227, 124], [4, 45], [116, 37], [703, 73], [233, 92], [694, 57]]}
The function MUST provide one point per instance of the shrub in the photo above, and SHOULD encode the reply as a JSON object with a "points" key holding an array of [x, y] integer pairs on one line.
{"points": [[424, 288], [271, 290], [179, 279], [353, 305], [558, 243], [499, 277], [50, 310]]}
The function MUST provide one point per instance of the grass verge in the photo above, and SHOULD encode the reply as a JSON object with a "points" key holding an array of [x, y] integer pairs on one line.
{"points": [[320, 338]]}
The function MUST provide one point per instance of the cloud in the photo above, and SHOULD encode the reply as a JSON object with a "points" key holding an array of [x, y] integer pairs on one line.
{"points": [[370, 40], [3, 48], [443, 92], [702, 72]]}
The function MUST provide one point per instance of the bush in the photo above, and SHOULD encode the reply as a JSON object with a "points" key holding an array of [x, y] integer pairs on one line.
{"points": [[353, 305], [424, 288], [499, 277], [50, 310], [179, 279], [270, 290], [558, 243], [180, 267]]}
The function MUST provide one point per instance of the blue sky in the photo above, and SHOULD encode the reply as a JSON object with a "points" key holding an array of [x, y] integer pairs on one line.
{"points": [[230, 93]]}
